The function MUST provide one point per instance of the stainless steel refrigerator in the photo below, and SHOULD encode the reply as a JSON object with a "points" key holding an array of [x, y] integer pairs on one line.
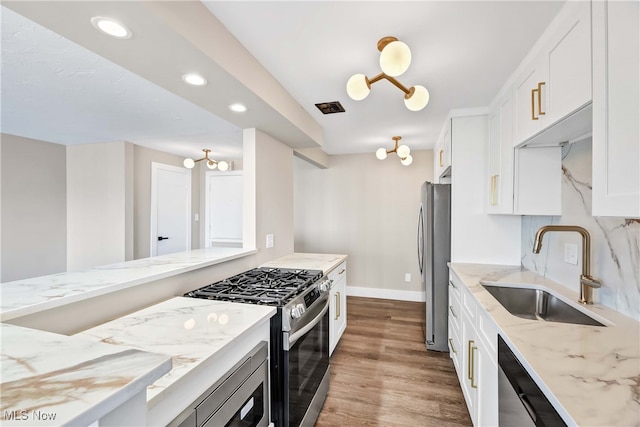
{"points": [[434, 251]]}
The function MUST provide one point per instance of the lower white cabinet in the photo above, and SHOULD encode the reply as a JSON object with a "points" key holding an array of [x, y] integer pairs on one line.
{"points": [[476, 356], [338, 305]]}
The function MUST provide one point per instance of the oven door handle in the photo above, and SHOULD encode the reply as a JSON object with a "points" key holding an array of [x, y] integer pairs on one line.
{"points": [[298, 334]]}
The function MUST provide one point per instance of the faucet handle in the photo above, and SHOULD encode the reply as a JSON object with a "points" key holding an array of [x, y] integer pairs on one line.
{"points": [[590, 281]]}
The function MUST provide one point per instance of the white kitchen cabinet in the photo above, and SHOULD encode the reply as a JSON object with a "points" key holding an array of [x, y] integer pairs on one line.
{"points": [[558, 81], [616, 108], [442, 155], [523, 181], [500, 158], [478, 367], [338, 305]]}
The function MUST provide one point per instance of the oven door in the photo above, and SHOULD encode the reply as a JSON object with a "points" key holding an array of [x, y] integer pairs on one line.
{"points": [[307, 354]]}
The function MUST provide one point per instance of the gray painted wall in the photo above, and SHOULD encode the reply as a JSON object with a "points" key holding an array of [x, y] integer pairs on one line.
{"points": [[34, 211]]}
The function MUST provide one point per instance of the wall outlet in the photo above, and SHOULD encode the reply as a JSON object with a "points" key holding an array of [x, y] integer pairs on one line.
{"points": [[269, 242], [407, 277], [571, 253], [196, 217]]}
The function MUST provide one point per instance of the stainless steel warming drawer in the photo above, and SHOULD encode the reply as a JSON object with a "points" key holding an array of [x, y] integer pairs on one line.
{"points": [[239, 398]]}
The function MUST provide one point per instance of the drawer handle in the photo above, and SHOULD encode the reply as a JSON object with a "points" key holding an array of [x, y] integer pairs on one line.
{"points": [[473, 367], [342, 271], [469, 360], [451, 346], [540, 112], [452, 312], [453, 284]]}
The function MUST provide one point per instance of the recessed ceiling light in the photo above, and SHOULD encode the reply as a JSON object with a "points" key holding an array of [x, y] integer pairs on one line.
{"points": [[111, 27], [238, 108], [194, 79]]}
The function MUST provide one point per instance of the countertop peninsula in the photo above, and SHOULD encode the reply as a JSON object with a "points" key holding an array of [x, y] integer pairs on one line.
{"points": [[591, 374], [28, 296]]}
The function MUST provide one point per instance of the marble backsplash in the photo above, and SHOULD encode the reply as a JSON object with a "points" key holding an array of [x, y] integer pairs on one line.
{"points": [[615, 242]]}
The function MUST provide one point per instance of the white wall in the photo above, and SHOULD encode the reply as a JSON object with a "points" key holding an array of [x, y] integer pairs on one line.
{"points": [[477, 237], [33, 194], [97, 187], [615, 242], [367, 209]]}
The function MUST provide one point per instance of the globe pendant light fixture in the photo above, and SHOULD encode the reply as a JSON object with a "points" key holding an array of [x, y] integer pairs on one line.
{"points": [[395, 58], [211, 164], [402, 151]]}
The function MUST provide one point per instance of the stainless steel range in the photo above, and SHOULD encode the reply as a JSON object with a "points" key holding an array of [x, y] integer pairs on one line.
{"points": [[299, 350]]}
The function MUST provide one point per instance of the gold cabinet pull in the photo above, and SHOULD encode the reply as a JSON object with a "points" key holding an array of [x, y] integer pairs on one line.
{"points": [[540, 112], [337, 295], [441, 155], [473, 368], [494, 187], [342, 271], [469, 360], [533, 104], [451, 345]]}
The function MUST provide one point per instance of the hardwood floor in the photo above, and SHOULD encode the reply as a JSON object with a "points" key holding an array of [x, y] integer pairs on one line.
{"points": [[382, 374]]}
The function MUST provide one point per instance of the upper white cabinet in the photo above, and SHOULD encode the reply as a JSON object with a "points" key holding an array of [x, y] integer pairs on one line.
{"points": [[442, 155], [558, 82], [616, 108], [500, 157]]}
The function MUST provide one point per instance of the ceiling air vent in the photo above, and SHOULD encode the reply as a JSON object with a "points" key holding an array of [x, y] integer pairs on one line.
{"points": [[330, 107]]}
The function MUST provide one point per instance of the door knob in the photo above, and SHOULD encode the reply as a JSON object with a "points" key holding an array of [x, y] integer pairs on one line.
{"points": [[162, 238]]}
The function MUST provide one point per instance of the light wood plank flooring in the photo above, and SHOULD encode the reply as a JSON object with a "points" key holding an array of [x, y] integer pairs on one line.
{"points": [[382, 374]]}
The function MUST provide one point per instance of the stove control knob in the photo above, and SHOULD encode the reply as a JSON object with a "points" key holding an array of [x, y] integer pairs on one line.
{"points": [[297, 311], [324, 286]]}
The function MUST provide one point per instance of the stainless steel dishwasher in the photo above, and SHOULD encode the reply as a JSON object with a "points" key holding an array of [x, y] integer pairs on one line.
{"points": [[520, 401], [239, 399]]}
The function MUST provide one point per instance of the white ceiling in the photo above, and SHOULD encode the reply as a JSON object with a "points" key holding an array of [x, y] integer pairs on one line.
{"points": [[59, 91]]}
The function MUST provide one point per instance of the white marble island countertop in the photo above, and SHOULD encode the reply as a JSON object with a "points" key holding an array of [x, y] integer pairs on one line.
{"points": [[591, 374], [198, 334], [28, 296], [51, 379], [308, 261]]}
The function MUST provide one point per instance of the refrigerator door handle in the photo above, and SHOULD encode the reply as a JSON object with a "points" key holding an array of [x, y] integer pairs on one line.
{"points": [[420, 237]]}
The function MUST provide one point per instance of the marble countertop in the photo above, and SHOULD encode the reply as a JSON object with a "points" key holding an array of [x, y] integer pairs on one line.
{"points": [[192, 331], [28, 296], [591, 374], [69, 380], [306, 261]]}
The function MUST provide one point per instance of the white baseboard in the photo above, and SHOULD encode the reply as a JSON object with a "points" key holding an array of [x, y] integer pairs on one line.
{"points": [[357, 291]]}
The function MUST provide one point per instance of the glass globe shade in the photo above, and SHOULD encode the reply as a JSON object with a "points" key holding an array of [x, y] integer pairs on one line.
{"points": [[407, 160], [418, 100], [381, 153], [188, 163], [403, 151], [211, 164], [357, 87], [395, 58], [223, 166]]}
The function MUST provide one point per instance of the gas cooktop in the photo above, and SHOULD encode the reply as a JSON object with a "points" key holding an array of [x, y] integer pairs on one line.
{"points": [[269, 286]]}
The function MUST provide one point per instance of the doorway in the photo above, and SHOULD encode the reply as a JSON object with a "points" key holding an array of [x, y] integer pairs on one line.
{"points": [[170, 209]]}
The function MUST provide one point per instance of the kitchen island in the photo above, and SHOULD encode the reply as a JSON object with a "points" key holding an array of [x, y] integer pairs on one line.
{"points": [[590, 374], [204, 338]]}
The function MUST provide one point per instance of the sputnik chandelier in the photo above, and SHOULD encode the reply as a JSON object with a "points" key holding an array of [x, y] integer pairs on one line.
{"points": [[211, 164], [402, 151], [395, 58]]}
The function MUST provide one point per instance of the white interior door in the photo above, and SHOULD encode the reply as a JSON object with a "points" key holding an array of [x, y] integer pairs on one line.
{"points": [[170, 209], [224, 209]]}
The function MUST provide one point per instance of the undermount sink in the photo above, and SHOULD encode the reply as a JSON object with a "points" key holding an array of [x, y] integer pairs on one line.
{"points": [[537, 304]]}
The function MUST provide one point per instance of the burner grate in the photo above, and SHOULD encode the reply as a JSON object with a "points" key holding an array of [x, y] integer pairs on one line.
{"points": [[274, 286]]}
